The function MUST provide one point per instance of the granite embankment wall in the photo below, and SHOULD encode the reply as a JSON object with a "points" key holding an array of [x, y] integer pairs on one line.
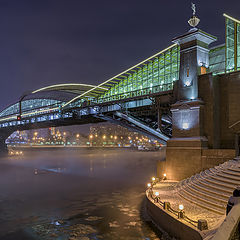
{"points": [[170, 224], [229, 229], [194, 161]]}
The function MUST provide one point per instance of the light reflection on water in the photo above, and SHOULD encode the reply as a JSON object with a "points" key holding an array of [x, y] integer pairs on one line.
{"points": [[72, 194]]}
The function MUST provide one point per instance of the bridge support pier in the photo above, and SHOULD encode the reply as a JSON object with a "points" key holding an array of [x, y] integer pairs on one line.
{"points": [[3, 146], [184, 150]]}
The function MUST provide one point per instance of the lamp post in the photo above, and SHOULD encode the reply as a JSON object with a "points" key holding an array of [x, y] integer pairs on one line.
{"points": [[181, 213]]}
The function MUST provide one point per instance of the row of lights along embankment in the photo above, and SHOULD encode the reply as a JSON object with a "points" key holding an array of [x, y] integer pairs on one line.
{"points": [[157, 195], [201, 223]]}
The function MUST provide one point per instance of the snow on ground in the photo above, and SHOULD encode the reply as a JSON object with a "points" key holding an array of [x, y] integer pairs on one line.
{"points": [[168, 193]]}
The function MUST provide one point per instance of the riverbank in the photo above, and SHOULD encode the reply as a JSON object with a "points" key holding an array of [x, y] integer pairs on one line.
{"points": [[167, 216]]}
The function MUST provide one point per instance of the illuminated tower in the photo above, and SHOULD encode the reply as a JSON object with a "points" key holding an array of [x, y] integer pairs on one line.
{"points": [[194, 61], [184, 149]]}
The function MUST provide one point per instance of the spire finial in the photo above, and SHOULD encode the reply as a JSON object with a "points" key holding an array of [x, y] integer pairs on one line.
{"points": [[194, 20], [194, 8]]}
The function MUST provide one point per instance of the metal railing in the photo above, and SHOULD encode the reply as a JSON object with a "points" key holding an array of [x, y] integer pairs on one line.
{"points": [[180, 214]]}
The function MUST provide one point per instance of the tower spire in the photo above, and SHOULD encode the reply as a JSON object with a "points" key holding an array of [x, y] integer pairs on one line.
{"points": [[194, 20]]}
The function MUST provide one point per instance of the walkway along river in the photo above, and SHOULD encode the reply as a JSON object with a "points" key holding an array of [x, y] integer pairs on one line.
{"points": [[76, 194]]}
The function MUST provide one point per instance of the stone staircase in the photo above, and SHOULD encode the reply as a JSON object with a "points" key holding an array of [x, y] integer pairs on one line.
{"points": [[211, 189]]}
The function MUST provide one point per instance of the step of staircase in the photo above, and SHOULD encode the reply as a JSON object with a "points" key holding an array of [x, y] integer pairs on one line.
{"points": [[234, 169], [225, 180], [212, 188], [230, 172], [220, 183], [206, 195], [210, 191], [199, 202], [228, 176], [219, 189]]}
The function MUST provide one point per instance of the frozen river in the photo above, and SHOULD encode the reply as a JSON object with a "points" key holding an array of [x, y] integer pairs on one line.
{"points": [[76, 194]]}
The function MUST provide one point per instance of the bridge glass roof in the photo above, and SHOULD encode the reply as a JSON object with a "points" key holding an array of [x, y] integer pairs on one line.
{"points": [[75, 88], [29, 105], [155, 75]]}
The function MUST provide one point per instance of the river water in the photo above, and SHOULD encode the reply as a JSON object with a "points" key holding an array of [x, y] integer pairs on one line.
{"points": [[76, 194]]}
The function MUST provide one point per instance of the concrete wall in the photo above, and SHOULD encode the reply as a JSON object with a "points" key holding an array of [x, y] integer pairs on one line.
{"points": [[184, 162], [221, 97], [234, 99], [213, 157], [170, 224], [229, 228], [209, 93]]}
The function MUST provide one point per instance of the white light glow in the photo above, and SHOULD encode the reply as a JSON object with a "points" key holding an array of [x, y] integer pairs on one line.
{"points": [[185, 125], [188, 83], [181, 207]]}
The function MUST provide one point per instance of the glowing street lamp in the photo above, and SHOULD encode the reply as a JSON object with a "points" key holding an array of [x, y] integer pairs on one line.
{"points": [[164, 176], [181, 207], [104, 137], [181, 213]]}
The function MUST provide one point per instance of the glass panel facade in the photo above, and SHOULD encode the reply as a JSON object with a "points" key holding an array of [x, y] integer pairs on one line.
{"points": [[238, 46], [29, 105], [227, 58], [230, 45], [156, 75], [217, 60]]}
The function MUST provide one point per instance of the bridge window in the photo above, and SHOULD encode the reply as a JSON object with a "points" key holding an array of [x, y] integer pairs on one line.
{"points": [[217, 60], [238, 46], [156, 75], [29, 105], [232, 45], [230, 29]]}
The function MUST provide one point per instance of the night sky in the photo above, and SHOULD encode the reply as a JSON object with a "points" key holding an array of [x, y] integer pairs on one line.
{"points": [[46, 42]]}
